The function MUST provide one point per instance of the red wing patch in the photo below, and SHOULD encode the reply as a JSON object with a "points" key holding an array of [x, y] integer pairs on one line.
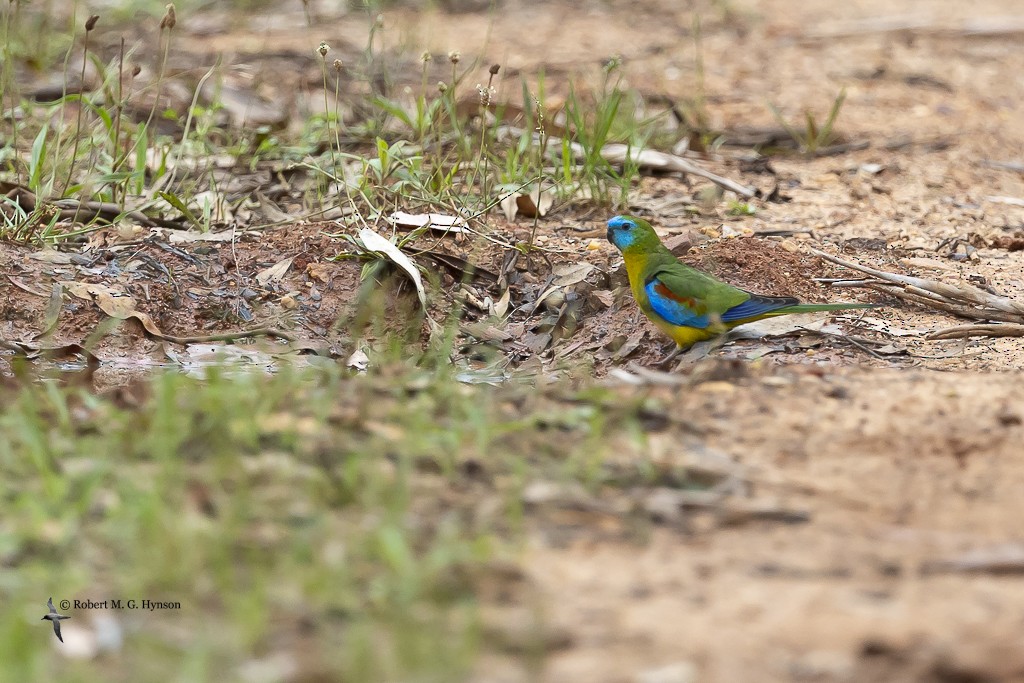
{"points": [[661, 289]]}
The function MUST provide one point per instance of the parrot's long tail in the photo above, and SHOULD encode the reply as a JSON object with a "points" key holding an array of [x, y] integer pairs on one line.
{"points": [[812, 308]]}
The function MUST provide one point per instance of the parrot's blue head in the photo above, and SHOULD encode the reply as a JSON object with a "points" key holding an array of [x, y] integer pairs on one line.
{"points": [[633, 235], [622, 231]]}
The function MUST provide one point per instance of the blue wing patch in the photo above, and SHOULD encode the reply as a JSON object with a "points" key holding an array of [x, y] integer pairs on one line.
{"points": [[757, 305], [673, 308]]}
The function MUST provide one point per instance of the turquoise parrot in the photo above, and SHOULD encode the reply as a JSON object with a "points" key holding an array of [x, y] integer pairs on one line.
{"points": [[685, 303]]}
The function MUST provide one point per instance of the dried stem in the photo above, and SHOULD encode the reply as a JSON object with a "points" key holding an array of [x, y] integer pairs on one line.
{"points": [[168, 22], [322, 50], [118, 111], [90, 23], [542, 133]]}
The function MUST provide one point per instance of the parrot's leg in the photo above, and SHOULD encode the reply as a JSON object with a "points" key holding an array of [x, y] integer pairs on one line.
{"points": [[699, 351], [676, 350]]}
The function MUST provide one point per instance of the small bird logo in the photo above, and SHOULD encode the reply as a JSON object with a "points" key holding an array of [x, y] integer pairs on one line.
{"points": [[55, 618]]}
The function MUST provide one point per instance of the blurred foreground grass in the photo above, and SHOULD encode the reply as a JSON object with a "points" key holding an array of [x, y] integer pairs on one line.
{"points": [[312, 526]]}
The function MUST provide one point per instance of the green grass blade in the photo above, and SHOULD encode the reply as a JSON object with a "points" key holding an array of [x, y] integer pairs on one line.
{"points": [[35, 166]]}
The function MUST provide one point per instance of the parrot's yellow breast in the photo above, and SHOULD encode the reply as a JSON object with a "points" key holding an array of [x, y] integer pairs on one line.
{"points": [[685, 337]]}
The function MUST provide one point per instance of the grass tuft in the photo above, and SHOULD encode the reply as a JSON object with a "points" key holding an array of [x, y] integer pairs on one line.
{"points": [[813, 137]]}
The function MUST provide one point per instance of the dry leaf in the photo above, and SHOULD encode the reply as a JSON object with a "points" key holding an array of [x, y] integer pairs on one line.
{"points": [[245, 107], [783, 325], [1010, 201], [604, 296], [571, 273], [358, 361], [198, 357], [435, 221], [631, 344], [535, 203], [271, 211], [651, 159], [544, 295], [25, 288], [147, 324], [185, 236], [114, 303], [501, 306], [274, 272], [213, 204], [51, 256], [374, 242], [509, 207]]}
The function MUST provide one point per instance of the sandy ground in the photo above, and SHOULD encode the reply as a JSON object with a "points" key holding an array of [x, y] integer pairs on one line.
{"points": [[907, 567]]}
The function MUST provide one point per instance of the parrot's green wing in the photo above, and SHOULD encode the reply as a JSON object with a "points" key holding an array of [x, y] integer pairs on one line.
{"points": [[699, 291]]}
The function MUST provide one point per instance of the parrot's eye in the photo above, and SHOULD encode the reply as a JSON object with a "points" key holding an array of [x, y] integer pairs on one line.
{"points": [[620, 223]]}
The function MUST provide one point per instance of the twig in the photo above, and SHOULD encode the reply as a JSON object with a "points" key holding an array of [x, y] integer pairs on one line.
{"points": [[964, 331], [859, 342], [841, 148], [652, 159], [88, 211], [1005, 165], [225, 336]]}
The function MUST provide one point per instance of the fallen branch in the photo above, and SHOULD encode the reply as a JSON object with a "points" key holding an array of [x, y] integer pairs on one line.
{"points": [[83, 212], [964, 300], [927, 300], [662, 161], [1001, 560], [1005, 165], [964, 331]]}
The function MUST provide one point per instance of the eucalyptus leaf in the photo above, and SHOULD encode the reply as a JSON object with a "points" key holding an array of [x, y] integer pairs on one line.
{"points": [[374, 242]]}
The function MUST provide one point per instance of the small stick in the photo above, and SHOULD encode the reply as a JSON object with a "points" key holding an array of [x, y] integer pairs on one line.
{"points": [[964, 331], [224, 336]]}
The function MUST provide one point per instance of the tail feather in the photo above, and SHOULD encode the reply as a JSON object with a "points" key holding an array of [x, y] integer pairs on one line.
{"points": [[812, 308], [759, 306], [748, 314]]}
